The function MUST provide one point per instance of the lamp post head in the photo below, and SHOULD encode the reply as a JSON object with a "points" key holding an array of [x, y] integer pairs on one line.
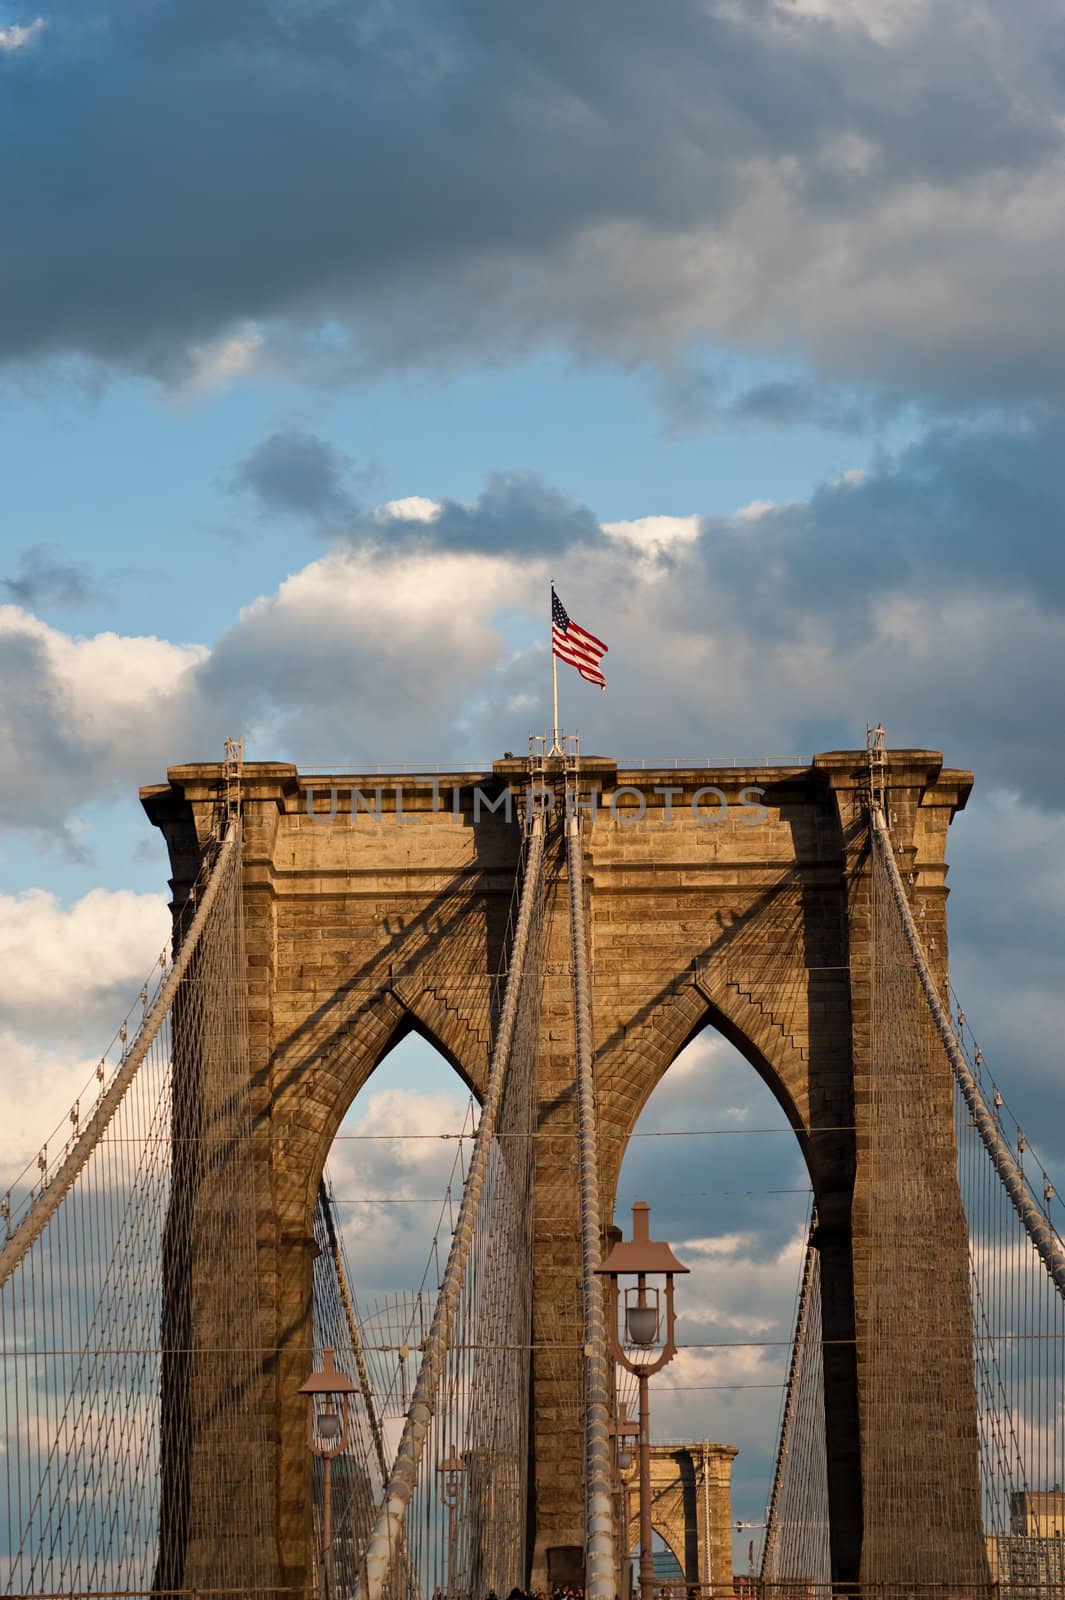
{"points": [[329, 1393], [641, 1255], [451, 1471], [328, 1380], [625, 1431]]}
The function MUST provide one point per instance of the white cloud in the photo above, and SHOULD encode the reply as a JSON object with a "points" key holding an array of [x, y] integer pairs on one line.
{"points": [[81, 716], [38, 1087], [68, 976], [361, 644], [883, 20], [653, 535], [718, 643], [411, 508], [755, 509], [220, 362], [391, 1188], [16, 36], [75, 970]]}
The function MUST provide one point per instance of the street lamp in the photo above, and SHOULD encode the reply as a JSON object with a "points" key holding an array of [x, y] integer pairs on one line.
{"points": [[642, 1257], [328, 1427], [451, 1471], [626, 1432]]}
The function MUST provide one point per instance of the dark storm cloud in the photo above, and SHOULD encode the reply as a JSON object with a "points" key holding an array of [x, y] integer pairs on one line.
{"points": [[297, 474], [45, 579], [964, 508], [452, 180]]}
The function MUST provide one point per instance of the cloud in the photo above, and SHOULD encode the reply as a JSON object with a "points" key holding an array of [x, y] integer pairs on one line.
{"points": [[874, 190], [391, 1188], [890, 595], [361, 643], [71, 972], [412, 508], [294, 473], [44, 578], [16, 36], [757, 1186], [893, 594], [1006, 911], [38, 1087], [88, 717], [692, 397], [882, 20], [216, 364], [654, 535], [517, 513], [965, 508]]}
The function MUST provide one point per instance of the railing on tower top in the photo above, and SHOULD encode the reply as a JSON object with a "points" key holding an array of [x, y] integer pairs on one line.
{"points": [[443, 769]]}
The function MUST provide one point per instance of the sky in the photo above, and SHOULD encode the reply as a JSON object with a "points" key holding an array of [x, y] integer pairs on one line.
{"points": [[330, 333]]}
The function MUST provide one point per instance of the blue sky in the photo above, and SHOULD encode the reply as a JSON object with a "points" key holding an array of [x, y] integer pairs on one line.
{"points": [[85, 470], [330, 331]]}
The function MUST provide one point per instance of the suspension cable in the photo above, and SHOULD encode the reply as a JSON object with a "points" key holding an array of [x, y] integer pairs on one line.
{"points": [[44, 1208], [601, 1581], [772, 1516], [1042, 1234]]}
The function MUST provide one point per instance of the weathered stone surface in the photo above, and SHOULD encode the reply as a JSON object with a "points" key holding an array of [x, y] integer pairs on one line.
{"points": [[691, 1509], [360, 929]]}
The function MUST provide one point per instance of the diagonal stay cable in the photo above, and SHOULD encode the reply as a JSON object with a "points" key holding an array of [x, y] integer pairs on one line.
{"points": [[1042, 1234]]}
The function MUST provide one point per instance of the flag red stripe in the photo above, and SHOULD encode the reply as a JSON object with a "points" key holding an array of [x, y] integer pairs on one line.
{"points": [[587, 669], [583, 667], [577, 647], [572, 654], [586, 638], [566, 640]]}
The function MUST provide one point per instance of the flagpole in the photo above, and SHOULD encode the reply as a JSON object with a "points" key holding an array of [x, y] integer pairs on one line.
{"points": [[555, 750]]}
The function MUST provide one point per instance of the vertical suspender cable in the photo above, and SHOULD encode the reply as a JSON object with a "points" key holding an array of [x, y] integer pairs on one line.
{"points": [[1040, 1231], [601, 1583], [707, 1575], [770, 1553], [325, 1204], [387, 1534]]}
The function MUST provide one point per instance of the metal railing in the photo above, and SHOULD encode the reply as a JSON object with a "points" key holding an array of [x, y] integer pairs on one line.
{"points": [[440, 769], [739, 1587]]}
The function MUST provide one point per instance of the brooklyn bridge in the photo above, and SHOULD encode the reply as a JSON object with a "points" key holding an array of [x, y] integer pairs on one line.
{"points": [[194, 1400]]}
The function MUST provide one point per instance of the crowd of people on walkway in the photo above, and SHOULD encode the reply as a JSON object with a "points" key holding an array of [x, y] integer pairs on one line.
{"points": [[575, 1591]]}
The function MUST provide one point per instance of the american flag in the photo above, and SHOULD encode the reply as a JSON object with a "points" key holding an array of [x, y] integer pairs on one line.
{"points": [[570, 643]]}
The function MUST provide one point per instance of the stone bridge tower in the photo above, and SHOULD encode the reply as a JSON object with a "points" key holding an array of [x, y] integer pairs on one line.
{"points": [[691, 1510], [734, 897]]}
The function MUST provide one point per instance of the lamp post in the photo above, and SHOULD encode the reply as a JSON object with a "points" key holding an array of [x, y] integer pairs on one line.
{"points": [[328, 1427], [626, 1431], [642, 1257], [451, 1470]]}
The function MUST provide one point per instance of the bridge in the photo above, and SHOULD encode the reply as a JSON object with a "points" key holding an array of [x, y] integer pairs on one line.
{"points": [[559, 928]]}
